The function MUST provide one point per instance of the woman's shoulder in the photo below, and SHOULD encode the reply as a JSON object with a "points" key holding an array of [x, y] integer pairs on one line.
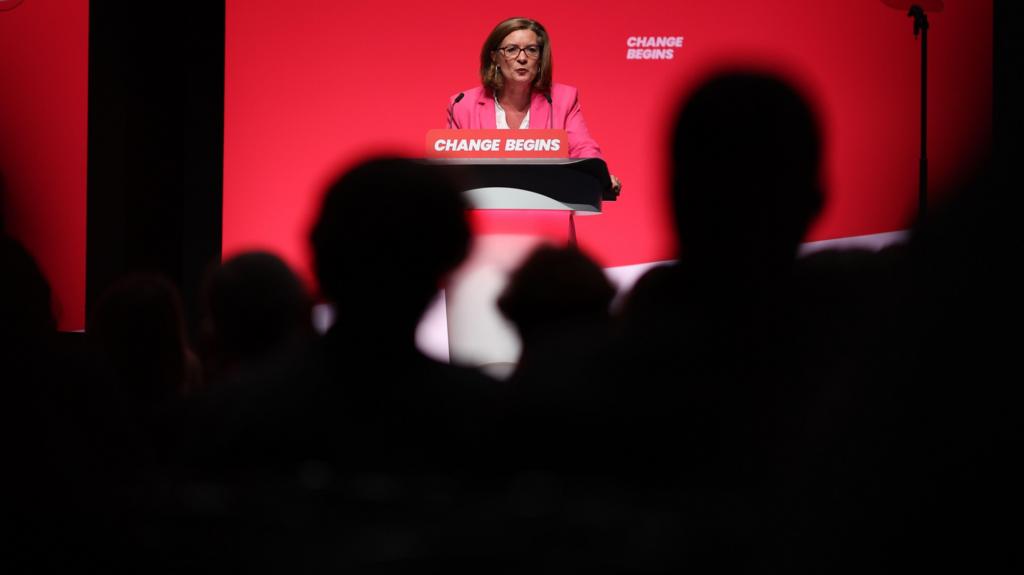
{"points": [[471, 94]]}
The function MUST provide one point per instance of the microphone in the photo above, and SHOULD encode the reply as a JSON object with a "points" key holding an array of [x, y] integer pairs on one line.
{"points": [[551, 117], [451, 110]]}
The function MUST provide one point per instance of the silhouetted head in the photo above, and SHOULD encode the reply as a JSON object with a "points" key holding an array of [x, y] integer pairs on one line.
{"points": [[256, 304], [26, 307], [746, 171], [556, 286], [389, 232], [139, 330]]}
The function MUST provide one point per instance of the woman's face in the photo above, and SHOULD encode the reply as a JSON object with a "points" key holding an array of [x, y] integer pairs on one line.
{"points": [[522, 66]]}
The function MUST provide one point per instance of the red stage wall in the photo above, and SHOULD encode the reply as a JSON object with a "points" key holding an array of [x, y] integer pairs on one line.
{"points": [[44, 48], [312, 86]]}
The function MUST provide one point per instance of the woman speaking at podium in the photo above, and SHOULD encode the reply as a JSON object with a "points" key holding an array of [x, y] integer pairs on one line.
{"points": [[517, 92]]}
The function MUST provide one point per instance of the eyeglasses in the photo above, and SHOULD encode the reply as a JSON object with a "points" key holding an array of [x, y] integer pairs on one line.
{"points": [[512, 52]]}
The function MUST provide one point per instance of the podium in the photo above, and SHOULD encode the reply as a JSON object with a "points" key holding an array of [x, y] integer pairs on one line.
{"points": [[516, 204]]}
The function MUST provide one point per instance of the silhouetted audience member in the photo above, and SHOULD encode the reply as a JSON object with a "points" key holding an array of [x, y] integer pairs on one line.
{"points": [[363, 397], [713, 334], [138, 331], [708, 369], [559, 302], [27, 305], [27, 341], [27, 337], [144, 369], [556, 288], [746, 180], [256, 310], [389, 233], [29, 362], [56, 496], [843, 401], [930, 471]]}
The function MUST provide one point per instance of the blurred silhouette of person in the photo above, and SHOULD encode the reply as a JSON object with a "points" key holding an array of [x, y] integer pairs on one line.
{"points": [[389, 233], [745, 187], [28, 330], [363, 397], [559, 302], [930, 472], [144, 370], [56, 489], [139, 333], [556, 288], [746, 181], [256, 311], [28, 317], [707, 370]]}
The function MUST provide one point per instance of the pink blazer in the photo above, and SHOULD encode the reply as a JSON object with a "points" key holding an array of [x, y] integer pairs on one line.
{"points": [[476, 111]]}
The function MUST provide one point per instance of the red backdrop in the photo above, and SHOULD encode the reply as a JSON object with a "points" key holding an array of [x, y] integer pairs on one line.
{"points": [[312, 86], [44, 51]]}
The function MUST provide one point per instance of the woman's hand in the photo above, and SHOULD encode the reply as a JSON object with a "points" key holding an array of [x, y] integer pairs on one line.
{"points": [[616, 185]]}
